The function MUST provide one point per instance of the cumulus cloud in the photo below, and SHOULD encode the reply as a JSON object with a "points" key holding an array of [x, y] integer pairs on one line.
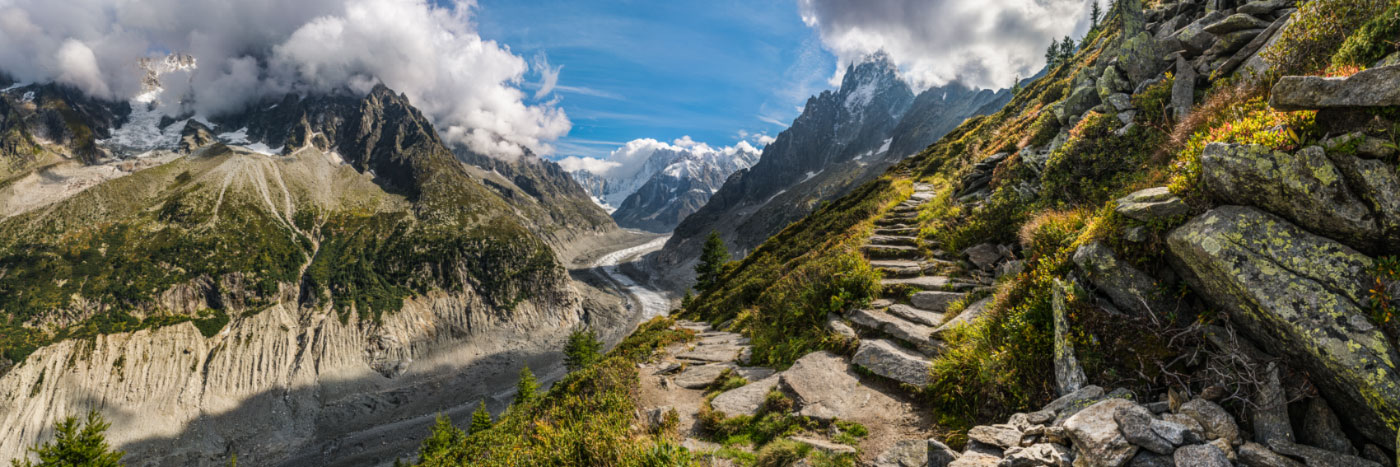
{"points": [[984, 43], [625, 161], [254, 49], [759, 139]]}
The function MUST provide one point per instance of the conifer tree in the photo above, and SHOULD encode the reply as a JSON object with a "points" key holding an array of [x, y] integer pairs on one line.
{"points": [[1066, 49], [1095, 15], [76, 445], [583, 349], [1052, 54], [712, 259], [481, 419], [527, 389], [438, 448]]}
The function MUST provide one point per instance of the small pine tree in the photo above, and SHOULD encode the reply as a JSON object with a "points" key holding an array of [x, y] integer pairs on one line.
{"points": [[438, 448], [583, 349], [1066, 49], [712, 259], [1095, 15], [481, 420], [1052, 54], [527, 389], [75, 445], [687, 299]]}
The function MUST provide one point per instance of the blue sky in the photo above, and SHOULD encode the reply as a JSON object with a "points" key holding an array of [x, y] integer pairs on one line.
{"points": [[665, 69]]}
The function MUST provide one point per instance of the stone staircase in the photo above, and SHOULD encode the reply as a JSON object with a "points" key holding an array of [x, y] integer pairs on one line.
{"points": [[899, 333]]}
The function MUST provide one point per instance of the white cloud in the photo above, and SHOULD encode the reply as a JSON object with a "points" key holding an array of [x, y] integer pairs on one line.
{"points": [[764, 140], [625, 161], [984, 43], [549, 77], [254, 49], [759, 139]]}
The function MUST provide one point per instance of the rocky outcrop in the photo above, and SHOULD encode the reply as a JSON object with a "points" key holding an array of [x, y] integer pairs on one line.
{"points": [[1366, 89], [1129, 288], [195, 135], [1299, 295]]}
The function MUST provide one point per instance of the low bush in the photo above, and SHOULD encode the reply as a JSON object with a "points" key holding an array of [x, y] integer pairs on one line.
{"points": [[1377, 38], [1318, 29]]}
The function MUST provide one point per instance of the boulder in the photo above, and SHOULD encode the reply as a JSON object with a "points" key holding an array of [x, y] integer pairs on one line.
{"points": [[1228, 44], [1128, 288], [968, 315], [886, 359], [1193, 39], [1183, 89], [1322, 429], [1080, 101], [1152, 204], [839, 327], [907, 453], [1173, 432], [195, 135], [1151, 459], [1037, 455], [1073, 402], [1270, 414], [1112, 82], [1378, 184], [1001, 436], [1317, 456], [1069, 376], [939, 454], [1140, 57], [1256, 455], [1236, 22], [1201, 455], [1097, 437], [1122, 103], [1264, 7], [700, 376], [915, 315], [976, 459], [1136, 424], [984, 256], [1305, 187], [935, 301], [1298, 295], [1217, 422], [746, 399], [1371, 88]]}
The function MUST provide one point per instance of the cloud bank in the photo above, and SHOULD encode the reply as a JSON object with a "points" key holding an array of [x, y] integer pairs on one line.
{"points": [[248, 50], [624, 162], [983, 43]]}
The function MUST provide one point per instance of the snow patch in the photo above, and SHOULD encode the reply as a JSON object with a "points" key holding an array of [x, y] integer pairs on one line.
{"points": [[14, 87], [28, 97], [860, 96], [235, 137], [142, 132]]}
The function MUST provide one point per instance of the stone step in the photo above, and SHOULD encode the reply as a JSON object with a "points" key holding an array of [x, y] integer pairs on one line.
{"points": [[894, 223], [886, 359], [891, 252], [942, 283], [897, 231], [936, 300], [904, 216], [713, 353], [916, 315], [911, 333], [893, 240]]}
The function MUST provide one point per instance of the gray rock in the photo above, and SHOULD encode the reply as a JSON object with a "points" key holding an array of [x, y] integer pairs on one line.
{"points": [[1174, 433], [1256, 455], [1037, 455], [1250, 49], [1270, 414], [976, 459], [1201, 455], [1069, 376], [1362, 145], [1305, 187], [1232, 42], [841, 328], [1183, 89], [1217, 422], [936, 301], [1140, 57], [968, 315], [1375, 454], [1080, 100], [915, 315], [915, 334], [700, 376], [1152, 204], [1193, 38], [1074, 401], [1129, 288], [1371, 88], [1317, 456], [1002, 436], [746, 399], [1112, 82], [712, 353], [939, 454], [824, 387], [1151, 459], [824, 445], [907, 453], [1264, 7], [1120, 102], [195, 135], [1377, 183], [889, 360], [1011, 268], [1236, 22], [1194, 434], [1296, 294], [1135, 423], [1097, 437], [1322, 429], [984, 256]]}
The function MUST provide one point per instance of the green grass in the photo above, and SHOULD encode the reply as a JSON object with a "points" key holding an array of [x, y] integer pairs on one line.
{"points": [[1375, 40]]}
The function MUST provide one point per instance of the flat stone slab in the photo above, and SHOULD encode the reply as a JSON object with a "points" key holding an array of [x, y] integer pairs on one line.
{"points": [[894, 240], [824, 387], [825, 446], [722, 338], [886, 359], [968, 315], [1152, 204], [898, 328], [746, 399], [936, 301], [890, 251], [700, 376], [916, 315], [713, 353], [923, 282], [1367, 89]]}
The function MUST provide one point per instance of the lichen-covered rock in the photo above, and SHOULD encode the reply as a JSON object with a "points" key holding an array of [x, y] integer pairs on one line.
{"points": [[1183, 88], [907, 453], [1129, 288], [1069, 376], [1298, 295], [1256, 455], [1112, 82], [1140, 57], [1236, 22], [1002, 436], [1317, 456], [1201, 455], [1377, 183], [1136, 424], [1097, 437], [1321, 428], [1152, 204], [1229, 43], [1367, 89], [1037, 455], [1270, 411], [1305, 187], [1080, 100], [1264, 7]]}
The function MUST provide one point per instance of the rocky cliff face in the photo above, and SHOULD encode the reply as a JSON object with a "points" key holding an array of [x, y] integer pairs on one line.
{"points": [[236, 302], [681, 188], [841, 139]]}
